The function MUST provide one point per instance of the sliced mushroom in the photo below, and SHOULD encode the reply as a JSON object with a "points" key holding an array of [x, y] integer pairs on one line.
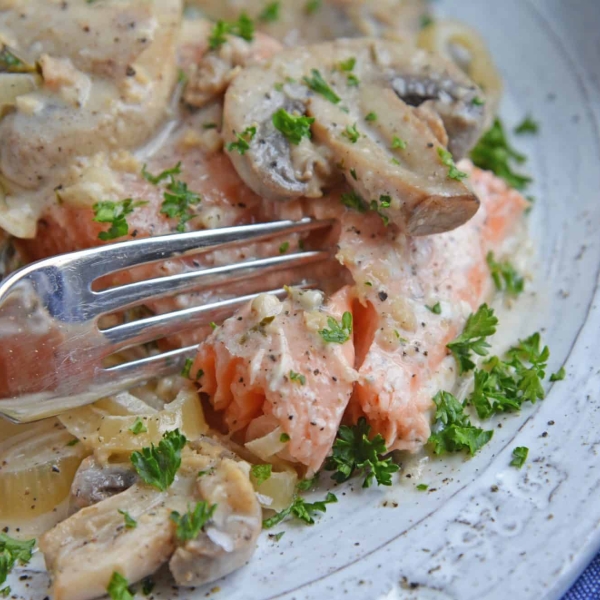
{"points": [[380, 125], [95, 482], [84, 551]]}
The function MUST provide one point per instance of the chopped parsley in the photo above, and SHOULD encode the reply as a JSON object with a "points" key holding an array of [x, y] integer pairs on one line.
{"points": [[158, 465], [422, 487], [353, 451], [72, 443], [528, 125], [338, 333], [5, 591], [353, 173], [130, 522], [312, 6], [270, 13], [177, 202], [10, 63], [305, 484], [276, 536], [479, 326], [317, 84], [213, 325], [505, 276], [147, 586], [118, 587], [494, 153], [284, 438], [384, 202], [426, 21], [209, 126], [519, 456], [138, 427], [243, 28], [191, 523], [301, 510], [504, 385], [436, 309], [187, 367], [371, 117], [156, 179], [261, 473], [351, 132], [297, 377], [115, 213], [284, 247], [397, 143], [448, 161], [453, 431], [477, 101], [347, 65], [293, 127], [353, 200], [559, 375], [12, 552], [243, 140], [352, 80], [199, 374]]}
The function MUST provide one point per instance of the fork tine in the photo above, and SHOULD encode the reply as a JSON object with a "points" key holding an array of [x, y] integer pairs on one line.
{"points": [[158, 326], [133, 373], [122, 255], [125, 296]]}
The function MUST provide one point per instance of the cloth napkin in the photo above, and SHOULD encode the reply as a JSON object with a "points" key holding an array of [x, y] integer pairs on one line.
{"points": [[587, 587]]}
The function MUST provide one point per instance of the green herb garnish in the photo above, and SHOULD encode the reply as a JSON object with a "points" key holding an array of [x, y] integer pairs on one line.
{"points": [[156, 179], [528, 125], [270, 13], [294, 128], [115, 213], [177, 202], [397, 143], [319, 85], [447, 160], [138, 427], [130, 522], [479, 326], [353, 451], [351, 132], [338, 333], [559, 375], [185, 371], [243, 140], [519, 456], [12, 552], [261, 473], [191, 523], [453, 430], [301, 510], [243, 28], [158, 465], [505, 276], [436, 309], [297, 377], [118, 588]]}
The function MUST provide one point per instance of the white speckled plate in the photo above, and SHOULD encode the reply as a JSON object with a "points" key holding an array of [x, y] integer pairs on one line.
{"points": [[485, 530]]}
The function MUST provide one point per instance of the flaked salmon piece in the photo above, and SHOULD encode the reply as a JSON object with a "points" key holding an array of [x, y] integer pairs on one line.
{"points": [[268, 367], [400, 342]]}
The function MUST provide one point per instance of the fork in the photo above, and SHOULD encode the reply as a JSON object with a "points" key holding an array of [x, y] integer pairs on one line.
{"points": [[52, 344]]}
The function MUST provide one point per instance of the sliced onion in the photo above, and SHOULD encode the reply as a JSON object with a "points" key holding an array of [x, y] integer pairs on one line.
{"points": [[37, 466]]}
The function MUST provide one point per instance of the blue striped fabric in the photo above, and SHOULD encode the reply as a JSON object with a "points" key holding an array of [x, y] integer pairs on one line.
{"points": [[587, 587]]}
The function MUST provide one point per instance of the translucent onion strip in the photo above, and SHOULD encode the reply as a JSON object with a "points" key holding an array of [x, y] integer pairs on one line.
{"points": [[37, 466]]}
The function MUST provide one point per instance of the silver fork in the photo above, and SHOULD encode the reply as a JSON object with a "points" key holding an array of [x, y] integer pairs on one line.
{"points": [[52, 347]]}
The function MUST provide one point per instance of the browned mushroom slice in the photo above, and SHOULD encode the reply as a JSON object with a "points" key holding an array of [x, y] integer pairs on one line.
{"points": [[382, 111]]}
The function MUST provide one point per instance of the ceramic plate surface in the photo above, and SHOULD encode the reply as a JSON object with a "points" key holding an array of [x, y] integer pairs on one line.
{"points": [[485, 530]]}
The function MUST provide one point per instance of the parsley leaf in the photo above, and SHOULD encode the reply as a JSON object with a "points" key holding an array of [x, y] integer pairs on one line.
{"points": [[177, 202], [11, 63], [130, 522], [147, 586], [243, 142], [190, 524], [156, 179], [302, 510], [11, 552], [270, 13], [312, 6], [398, 143], [559, 375], [371, 117], [453, 172], [353, 200], [138, 427], [118, 587], [114, 213], [347, 65], [422, 487], [243, 27], [530, 362], [319, 85], [338, 333], [519, 456], [305, 484], [297, 377], [354, 451], [158, 465], [351, 132], [479, 325], [185, 371], [261, 473], [436, 309], [294, 128], [284, 437], [453, 430], [505, 276], [494, 153], [528, 125]]}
